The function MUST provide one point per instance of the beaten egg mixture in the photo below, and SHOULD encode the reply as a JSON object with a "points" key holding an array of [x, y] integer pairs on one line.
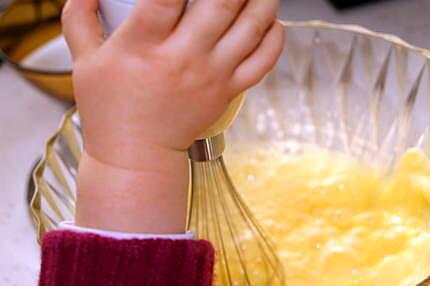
{"points": [[336, 221]]}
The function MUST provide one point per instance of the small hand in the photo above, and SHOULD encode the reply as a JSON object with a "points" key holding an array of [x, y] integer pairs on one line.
{"points": [[163, 78]]}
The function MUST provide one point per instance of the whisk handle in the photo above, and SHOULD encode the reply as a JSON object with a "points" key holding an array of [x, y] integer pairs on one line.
{"points": [[207, 149]]}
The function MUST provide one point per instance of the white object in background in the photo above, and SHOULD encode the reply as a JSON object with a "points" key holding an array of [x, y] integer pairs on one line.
{"points": [[55, 55], [52, 56], [114, 12]]}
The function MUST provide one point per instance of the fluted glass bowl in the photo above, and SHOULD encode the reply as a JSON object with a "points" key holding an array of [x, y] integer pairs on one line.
{"points": [[342, 88]]}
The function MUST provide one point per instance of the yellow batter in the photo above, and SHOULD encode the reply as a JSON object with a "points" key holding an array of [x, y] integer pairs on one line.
{"points": [[336, 221]]}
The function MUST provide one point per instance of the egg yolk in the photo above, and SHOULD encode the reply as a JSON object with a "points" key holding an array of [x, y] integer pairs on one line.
{"points": [[335, 220]]}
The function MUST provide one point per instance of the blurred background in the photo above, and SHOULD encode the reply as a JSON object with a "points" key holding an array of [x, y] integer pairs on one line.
{"points": [[28, 117]]}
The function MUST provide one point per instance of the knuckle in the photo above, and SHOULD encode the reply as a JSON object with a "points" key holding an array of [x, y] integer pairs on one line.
{"points": [[271, 6], [231, 6], [277, 3], [175, 67], [261, 19], [256, 26]]}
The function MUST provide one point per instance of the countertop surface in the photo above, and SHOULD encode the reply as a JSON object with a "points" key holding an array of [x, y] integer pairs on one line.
{"points": [[28, 117]]}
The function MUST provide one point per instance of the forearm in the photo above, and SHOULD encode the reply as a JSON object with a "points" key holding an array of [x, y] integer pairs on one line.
{"points": [[152, 199]]}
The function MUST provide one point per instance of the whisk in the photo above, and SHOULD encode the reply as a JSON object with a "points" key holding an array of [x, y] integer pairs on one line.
{"points": [[218, 213]]}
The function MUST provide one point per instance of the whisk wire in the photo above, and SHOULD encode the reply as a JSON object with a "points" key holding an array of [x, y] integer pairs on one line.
{"points": [[230, 224], [219, 214], [220, 243], [252, 223], [206, 214]]}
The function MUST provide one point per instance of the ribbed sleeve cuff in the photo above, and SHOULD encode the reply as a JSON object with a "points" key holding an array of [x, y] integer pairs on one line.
{"points": [[70, 258]]}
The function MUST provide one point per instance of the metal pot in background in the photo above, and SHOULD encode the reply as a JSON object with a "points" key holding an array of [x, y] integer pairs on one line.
{"points": [[26, 26], [4, 4]]}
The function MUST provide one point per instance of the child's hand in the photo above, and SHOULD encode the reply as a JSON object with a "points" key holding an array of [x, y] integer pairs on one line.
{"points": [[150, 89], [162, 80]]}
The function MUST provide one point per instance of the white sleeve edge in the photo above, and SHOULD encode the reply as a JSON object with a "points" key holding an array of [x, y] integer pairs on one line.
{"points": [[70, 226]]}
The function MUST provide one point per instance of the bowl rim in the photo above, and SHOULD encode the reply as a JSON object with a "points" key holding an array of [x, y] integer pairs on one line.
{"points": [[357, 29], [35, 206], [318, 24]]}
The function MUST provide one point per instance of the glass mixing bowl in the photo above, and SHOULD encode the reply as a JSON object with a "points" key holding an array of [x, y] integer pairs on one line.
{"points": [[342, 88]]}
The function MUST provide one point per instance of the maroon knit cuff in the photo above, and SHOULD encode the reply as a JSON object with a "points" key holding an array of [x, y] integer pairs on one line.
{"points": [[70, 258]]}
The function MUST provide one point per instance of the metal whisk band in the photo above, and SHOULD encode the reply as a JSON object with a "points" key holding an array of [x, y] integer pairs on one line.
{"points": [[207, 149]]}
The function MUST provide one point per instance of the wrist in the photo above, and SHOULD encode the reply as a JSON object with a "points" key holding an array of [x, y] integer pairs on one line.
{"points": [[149, 199], [135, 155]]}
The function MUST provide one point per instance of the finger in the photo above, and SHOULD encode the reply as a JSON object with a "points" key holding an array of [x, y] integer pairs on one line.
{"points": [[152, 20], [81, 27], [261, 61], [207, 20], [248, 31]]}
